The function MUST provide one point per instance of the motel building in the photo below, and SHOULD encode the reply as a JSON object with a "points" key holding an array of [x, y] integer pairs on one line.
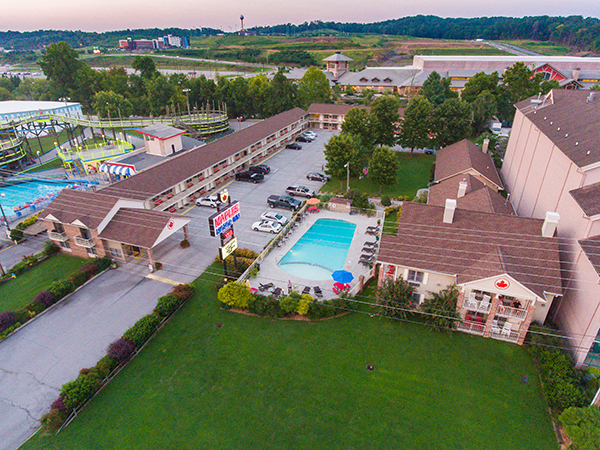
{"points": [[507, 268]]}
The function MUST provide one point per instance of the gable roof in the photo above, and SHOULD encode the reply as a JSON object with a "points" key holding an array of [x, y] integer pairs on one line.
{"points": [[463, 156], [588, 198], [87, 207], [448, 188], [591, 248], [570, 119], [162, 176], [330, 108], [160, 131], [485, 200], [475, 245]]}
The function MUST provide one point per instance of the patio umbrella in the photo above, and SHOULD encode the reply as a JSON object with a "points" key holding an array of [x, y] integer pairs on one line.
{"points": [[313, 201], [342, 276]]}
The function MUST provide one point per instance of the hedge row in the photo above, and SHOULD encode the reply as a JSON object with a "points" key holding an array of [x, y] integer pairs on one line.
{"points": [[11, 320], [244, 257], [75, 393], [234, 295]]}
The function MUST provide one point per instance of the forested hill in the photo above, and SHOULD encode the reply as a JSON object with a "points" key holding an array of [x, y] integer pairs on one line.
{"points": [[31, 40], [574, 31]]}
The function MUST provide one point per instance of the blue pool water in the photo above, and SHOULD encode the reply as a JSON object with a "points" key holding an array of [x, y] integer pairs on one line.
{"points": [[26, 193], [320, 251]]}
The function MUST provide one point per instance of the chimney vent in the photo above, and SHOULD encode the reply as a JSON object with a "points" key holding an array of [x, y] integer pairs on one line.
{"points": [[449, 210], [576, 74], [462, 189], [550, 223], [591, 97], [486, 145]]}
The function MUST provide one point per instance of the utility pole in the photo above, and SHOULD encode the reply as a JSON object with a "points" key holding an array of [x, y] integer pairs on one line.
{"points": [[347, 166]]}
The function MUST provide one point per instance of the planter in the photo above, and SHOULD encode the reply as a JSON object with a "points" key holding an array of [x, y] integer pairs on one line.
{"points": [[201, 178], [190, 184], [202, 192], [216, 170]]}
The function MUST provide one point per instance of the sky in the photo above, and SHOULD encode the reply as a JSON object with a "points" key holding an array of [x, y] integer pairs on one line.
{"points": [[106, 15]]}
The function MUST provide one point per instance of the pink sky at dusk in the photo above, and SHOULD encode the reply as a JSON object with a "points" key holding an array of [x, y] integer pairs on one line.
{"points": [[27, 15]]}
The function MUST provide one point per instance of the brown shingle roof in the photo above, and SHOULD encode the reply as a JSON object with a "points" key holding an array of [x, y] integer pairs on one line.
{"points": [[591, 248], [474, 246], [174, 170], [588, 198], [462, 156], [328, 108], [570, 121], [485, 200], [138, 227], [438, 193], [87, 207]]}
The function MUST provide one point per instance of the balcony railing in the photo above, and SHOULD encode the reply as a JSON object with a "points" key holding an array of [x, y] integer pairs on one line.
{"points": [[58, 236], [471, 327], [511, 336], [509, 311], [83, 242], [477, 305]]}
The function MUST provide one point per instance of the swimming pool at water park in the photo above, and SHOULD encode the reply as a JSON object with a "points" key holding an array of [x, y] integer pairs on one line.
{"points": [[321, 250]]}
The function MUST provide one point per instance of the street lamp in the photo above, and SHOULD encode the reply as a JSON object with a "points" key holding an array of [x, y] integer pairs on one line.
{"points": [[66, 99], [187, 90], [4, 215], [39, 157]]}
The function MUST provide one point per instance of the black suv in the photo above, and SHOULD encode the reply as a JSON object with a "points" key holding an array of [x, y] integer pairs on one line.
{"points": [[252, 177], [261, 168], [294, 146]]}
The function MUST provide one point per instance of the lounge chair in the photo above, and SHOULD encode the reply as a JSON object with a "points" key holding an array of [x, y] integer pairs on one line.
{"points": [[506, 329], [371, 243], [318, 291], [368, 257], [485, 303], [372, 230], [277, 292], [306, 290], [370, 250], [471, 301], [495, 328], [265, 287]]}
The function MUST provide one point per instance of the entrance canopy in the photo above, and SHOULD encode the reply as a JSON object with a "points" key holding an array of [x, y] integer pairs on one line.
{"points": [[117, 170]]}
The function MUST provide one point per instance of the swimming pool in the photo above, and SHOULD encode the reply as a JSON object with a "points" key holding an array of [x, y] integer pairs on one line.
{"points": [[320, 251]]}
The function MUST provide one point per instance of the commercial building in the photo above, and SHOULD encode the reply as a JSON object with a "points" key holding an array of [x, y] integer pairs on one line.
{"points": [[552, 162]]}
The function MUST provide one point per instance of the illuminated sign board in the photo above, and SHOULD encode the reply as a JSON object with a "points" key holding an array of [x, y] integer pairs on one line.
{"points": [[226, 236], [219, 222], [228, 249]]}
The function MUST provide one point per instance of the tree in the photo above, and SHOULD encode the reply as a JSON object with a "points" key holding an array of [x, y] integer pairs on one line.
{"points": [[339, 151], [259, 91], [583, 426], [108, 103], [479, 83], [234, 295], [440, 308], [159, 94], [384, 120], [60, 65], [313, 88], [283, 94], [451, 122], [145, 66], [416, 126], [383, 166], [437, 89], [358, 123], [520, 83], [395, 298], [484, 108]]}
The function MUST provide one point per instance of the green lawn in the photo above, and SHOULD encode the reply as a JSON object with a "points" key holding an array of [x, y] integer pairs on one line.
{"points": [[52, 164], [265, 384], [16, 293], [542, 47], [413, 174]]}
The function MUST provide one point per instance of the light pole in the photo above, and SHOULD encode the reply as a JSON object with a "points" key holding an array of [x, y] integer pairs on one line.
{"points": [[66, 99], [4, 215], [39, 157], [187, 96], [347, 166]]}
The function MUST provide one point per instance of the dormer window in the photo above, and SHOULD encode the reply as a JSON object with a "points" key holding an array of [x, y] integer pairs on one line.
{"points": [[387, 80], [375, 80], [363, 80]]}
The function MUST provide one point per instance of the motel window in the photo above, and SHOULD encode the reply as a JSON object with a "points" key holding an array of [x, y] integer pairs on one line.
{"points": [[115, 253], [92, 252], [415, 276], [416, 297], [65, 245], [58, 227]]}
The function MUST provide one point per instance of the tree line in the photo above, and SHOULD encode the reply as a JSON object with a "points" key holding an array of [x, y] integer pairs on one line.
{"points": [[114, 92]]}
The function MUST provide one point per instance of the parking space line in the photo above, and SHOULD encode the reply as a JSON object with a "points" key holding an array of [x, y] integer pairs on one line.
{"points": [[7, 248], [162, 280]]}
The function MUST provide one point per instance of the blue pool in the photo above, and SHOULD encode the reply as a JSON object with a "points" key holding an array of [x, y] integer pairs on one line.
{"points": [[322, 250], [17, 195]]}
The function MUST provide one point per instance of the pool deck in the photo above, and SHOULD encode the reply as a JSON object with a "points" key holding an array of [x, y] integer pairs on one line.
{"points": [[270, 272]]}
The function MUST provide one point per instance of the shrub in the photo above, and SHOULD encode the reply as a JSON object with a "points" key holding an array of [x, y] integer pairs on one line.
{"points": [[22, 315], [7, 319], [19, 268], [59, 405], [385, 200], [30, 260], [50, 249], [61, 288], [35, 307], [394, 298], [158, 265], [182, 291], [265, 306], [103, 263], [89, 270], [16, 235], [290, 303], [184, 243], [235, 295], [166, 305], [54, 419], [45, 298], [142, 329], [441, 307], [304, 304], [106, 365], [76, 392], [120, 350], [583, 426], [77, 278]]}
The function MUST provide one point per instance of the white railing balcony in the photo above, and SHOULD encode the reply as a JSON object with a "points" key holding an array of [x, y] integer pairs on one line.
{"points": [[509, 336], [471, 327], [58, 236], [477, 305], [509, 311], [83, 242]]}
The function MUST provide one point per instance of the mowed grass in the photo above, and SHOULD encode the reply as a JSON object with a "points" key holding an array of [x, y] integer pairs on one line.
{"points": [[52, 164], [413, 174], [19, 291], [258, 383], [542, 47]]}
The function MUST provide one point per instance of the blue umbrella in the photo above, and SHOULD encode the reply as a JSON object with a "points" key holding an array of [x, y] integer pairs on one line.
{"points": [[342, 276]]}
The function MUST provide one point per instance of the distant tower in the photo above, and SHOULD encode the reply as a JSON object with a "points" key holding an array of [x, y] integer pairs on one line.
{"points": [[242, 20]]}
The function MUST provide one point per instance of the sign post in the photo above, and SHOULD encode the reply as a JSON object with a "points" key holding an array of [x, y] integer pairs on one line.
{"points": [[221, 224]]}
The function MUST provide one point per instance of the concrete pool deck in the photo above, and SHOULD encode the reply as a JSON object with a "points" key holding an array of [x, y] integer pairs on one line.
{"points": [[270, 272]]}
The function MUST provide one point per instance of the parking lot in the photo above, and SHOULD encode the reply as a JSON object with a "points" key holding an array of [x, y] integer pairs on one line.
{"points": [[288, 167]]}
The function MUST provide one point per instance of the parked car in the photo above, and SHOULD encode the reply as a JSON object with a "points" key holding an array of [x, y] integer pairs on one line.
{"points": [[261, 168], [211, 201], [275, 217], [318, 176], [267, 226], [302, 191], [308, 138], [294, 146], [302, 139], [283, 202], [311, 134], [252, 177]]}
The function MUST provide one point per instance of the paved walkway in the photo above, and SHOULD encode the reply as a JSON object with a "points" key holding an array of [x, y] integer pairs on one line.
{"points": [[39, 359]]}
